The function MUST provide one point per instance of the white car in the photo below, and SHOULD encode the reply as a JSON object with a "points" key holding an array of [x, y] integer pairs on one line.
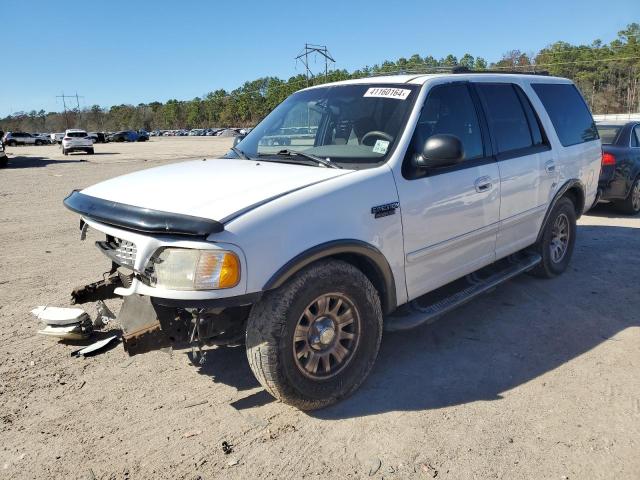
{"points": [[415, 194], [76, 140], [56, 137], [13, 139]]}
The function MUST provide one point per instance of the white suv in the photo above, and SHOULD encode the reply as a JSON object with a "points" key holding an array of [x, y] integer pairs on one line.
{"points": [[77, 141], [371, 204]]}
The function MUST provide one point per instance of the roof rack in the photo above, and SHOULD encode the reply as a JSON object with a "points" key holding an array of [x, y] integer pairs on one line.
{"points": [[455, 70], [460, 69]]}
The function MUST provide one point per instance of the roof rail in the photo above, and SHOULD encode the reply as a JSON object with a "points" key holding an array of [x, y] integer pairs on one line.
{"points": [[456, 69], [461, 69]]}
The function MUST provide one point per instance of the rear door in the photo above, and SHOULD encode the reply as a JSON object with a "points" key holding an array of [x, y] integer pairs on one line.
{"points": [[527, 168], [449, 214]]}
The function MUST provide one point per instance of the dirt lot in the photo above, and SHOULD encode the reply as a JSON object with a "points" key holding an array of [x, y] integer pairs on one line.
{"points": [[538, 379]]}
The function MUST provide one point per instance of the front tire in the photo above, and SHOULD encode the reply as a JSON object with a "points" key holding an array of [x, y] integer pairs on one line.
{"points": [[631, 204], [313, 341], [558, 240]]}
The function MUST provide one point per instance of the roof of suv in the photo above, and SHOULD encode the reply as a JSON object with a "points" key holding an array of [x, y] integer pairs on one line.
{"points": [[423, 78], [72, 130]]}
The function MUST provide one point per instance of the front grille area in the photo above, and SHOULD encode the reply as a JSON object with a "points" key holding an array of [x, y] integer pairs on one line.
{"points": [[120, 251]]}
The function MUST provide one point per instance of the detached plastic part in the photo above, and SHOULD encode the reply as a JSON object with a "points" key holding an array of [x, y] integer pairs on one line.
{"points": [[59, 316]]}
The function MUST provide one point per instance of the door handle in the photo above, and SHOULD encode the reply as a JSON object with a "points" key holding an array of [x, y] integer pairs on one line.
{"points": [[550, 167], [483, 184]]}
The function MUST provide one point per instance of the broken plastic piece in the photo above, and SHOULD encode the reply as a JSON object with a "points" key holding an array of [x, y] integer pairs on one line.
{"points": [[66, 332], [94, 347], [104, 315], [59, 316]]}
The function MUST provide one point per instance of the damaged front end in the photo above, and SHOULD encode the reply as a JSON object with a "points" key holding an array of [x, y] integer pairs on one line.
{"points": [[168, 280]]}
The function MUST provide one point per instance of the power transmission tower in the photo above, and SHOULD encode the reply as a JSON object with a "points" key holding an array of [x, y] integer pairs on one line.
{"points": [[64, 104], [310, 49]]}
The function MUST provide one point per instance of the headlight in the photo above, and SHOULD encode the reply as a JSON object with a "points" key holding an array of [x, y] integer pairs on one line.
{"points": [[190, 269]]}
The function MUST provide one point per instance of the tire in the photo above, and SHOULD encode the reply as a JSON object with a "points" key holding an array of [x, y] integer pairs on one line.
{"points": [[4, 161], [556, 253], [280, 314], [38, 142], [90, 151], [12, 143], [631, 204], [65, 151]]}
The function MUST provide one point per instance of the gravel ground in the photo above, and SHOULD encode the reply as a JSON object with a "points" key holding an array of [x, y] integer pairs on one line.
{"points": [[538, 379]]}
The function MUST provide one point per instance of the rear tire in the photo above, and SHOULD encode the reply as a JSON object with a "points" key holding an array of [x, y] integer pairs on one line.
{"points": [[65, 151], [631, 204], [90, 151], [4, 161], [558, 240], [38, 142], [313, 341]]}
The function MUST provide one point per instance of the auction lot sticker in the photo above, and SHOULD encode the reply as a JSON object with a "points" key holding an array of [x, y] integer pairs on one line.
{"points": [[383, 92]]}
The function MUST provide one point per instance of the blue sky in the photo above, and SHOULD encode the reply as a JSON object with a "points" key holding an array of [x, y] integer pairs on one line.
{"points": [[119, 51]]}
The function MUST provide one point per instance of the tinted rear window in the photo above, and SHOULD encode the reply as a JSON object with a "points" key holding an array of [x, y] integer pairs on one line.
{"points": [[507, 118], [608, 133], [568, 112], [77, 134]]}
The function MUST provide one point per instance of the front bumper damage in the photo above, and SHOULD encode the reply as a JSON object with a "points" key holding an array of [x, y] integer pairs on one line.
{"points": [[154, 318]]}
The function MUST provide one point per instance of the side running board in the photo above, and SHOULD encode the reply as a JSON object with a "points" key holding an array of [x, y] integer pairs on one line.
{"points": [[429, 307]]}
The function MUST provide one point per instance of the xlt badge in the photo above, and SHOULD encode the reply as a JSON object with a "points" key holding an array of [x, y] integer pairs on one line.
{"points": [[384, 210]]}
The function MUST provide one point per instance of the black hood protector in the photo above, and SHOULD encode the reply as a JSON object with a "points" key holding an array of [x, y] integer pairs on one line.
{"points": [[140, 219]]}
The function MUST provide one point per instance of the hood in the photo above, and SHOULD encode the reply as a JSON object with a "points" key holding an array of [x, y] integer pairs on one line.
{"points": [[217, 189]]}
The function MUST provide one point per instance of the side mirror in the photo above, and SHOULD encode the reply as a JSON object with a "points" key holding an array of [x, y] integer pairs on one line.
{"points": [[442, 150]]}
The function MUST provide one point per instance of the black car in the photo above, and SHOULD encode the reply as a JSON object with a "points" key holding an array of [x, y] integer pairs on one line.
{"points": [[620, 174]]}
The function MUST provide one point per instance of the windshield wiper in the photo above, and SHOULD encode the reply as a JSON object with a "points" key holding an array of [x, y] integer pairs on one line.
{"points": [[321, 161], [240, 153]]}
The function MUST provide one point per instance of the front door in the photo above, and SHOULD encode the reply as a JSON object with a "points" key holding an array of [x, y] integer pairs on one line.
{"points": [[450, 214]]}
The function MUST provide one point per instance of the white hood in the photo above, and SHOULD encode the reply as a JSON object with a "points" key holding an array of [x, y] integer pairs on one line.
{"points": [[216, 189]]}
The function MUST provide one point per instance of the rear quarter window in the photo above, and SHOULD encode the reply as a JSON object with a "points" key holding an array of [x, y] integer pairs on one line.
{"points": [[568, 112]]}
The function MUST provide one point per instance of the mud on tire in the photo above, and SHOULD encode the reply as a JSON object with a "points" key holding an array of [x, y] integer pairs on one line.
{"points": [[279, 317]]}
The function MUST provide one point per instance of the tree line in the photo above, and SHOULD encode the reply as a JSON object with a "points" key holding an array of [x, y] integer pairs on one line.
{"points": [[607, 74]]}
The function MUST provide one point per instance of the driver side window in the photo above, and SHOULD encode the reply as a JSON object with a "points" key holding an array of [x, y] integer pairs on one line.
{"points": [[449, 109]]}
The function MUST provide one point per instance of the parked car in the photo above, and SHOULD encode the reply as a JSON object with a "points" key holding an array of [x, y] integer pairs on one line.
{"points": [[143, 136], [56, 137], [45, 137], [12, 139], [124, 136], [3, 157], [620, 175], [76, 140], [417, 194]]}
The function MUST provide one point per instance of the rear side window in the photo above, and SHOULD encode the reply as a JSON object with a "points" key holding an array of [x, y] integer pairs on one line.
{"points": [[635, 136], [507, 117], [568, 112]]}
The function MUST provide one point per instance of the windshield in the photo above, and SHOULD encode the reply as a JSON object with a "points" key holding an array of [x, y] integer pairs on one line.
{"points": [[348, 124], [608, 133]]}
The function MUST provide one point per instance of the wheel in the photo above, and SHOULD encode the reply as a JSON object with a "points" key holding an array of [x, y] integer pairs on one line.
{"points": [[558, 239], [631, 204], [313, 341], [12, 143], [65, 151], [4, 161], [90, 151], [38, 142]]}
